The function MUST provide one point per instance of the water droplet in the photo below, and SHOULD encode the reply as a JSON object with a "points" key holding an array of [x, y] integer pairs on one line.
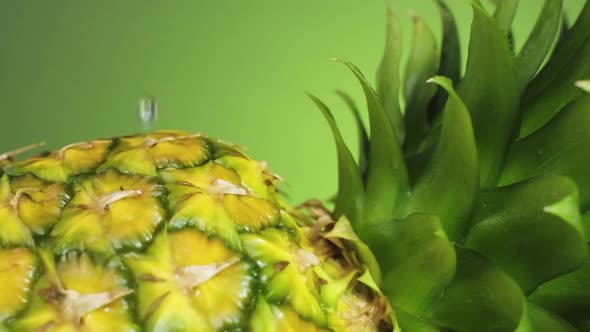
{"points": [[148, 112]]}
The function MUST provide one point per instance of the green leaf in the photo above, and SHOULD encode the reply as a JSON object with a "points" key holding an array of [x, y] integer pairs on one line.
{"points": [[586, 223], [450, 55], [416, 258], [387, 179], [349, 201], [537, 319], [567, 295], [539, 219], [583, 326], [422, 65], [504, 14], [490, 92], [388, 74], [477, 4], [584, 85], [411, 323], [480, 298], [450, 180], [418, 163], [563, 31], [553, 87], [535, 49], [450, 59], [362, 132], [571, 41], [560, 147]]}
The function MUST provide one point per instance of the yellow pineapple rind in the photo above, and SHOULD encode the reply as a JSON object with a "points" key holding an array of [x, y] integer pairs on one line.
{"points": [[169, 231]]}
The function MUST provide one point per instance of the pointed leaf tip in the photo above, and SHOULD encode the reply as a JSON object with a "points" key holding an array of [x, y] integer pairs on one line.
{"points": [[478, 5], [504, 14], [388, 73], [537, 46], [448, 185], [584, 85], [350, 187], [553, 87], [423, 62], [362, 132], [449, 59], [444, 82], [494, 101], [387, 179]]}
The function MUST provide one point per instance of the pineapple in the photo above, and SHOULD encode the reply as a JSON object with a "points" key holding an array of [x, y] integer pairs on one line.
{"points": [[170, 231], [476, 198], [474, 201]]}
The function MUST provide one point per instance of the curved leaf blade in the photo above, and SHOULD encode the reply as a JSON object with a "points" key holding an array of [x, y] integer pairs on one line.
{"points": [[564, 29], [553, 88], [586, 223], [387, 185], [363, 155], [422, 65], [450, 59], [449, 183], [504, 14], [416, 258], [388, 74], [537, 319], [409, 322], [480, 298], [350, 187], [539, 219], [567, 295], [490, 92], [560, 147], [583, 326], [572, 40], [535, 49]]}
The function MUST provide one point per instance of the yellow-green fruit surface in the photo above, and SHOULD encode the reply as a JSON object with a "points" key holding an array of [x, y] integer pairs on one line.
{"points": [[171, 231]]}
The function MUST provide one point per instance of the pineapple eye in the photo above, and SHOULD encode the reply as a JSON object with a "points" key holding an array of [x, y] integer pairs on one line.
{"points": [[148, 112]]}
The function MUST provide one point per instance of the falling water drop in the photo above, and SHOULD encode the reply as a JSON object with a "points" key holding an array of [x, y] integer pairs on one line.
{"points": [[148, 112]]}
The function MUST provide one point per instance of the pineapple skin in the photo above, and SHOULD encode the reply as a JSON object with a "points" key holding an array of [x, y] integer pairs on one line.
{"points": [[170, 231]]}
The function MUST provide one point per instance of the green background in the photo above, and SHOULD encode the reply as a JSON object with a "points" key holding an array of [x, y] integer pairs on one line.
{"points": [[73, 70]]}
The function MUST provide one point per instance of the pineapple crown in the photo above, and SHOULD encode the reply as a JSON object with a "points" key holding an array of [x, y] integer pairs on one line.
{"points": [[476, 198]]}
